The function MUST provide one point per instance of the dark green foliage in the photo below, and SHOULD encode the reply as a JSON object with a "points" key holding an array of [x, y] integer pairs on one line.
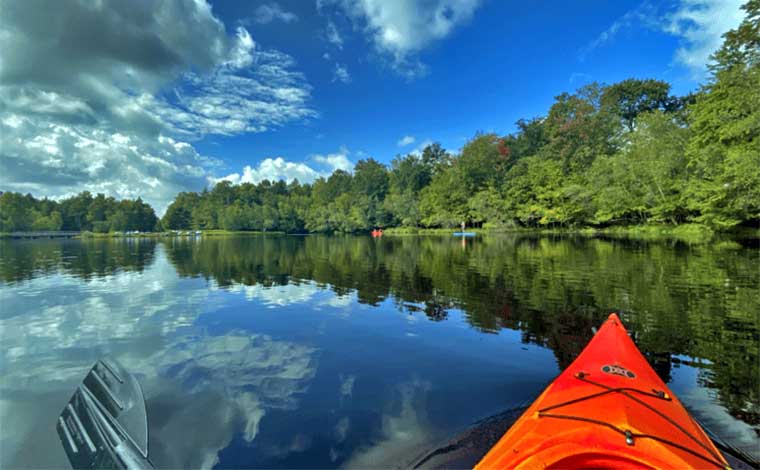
{"points": [[724, 153], [630, 98], [19, 213]]}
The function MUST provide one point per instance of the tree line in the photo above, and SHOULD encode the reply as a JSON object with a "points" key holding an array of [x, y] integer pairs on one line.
{"points": [[83, 212], [622, 154], [627, 153]]}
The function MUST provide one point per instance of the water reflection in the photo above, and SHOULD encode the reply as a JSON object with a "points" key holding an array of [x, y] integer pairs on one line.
{"points": [[319, 351], [701, 302], [25, 259]]}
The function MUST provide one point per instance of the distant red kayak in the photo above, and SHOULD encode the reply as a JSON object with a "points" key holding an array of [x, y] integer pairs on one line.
{"points": [[608, 409]]}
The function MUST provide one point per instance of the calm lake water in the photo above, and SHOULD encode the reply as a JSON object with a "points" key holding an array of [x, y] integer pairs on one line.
{"points": [[350, 351]]}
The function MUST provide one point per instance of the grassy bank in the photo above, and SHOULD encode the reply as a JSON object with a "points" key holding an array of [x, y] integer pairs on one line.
{"points": [[688, 233], [428, 231], [228, 233], [92, 235], [178, 234]]}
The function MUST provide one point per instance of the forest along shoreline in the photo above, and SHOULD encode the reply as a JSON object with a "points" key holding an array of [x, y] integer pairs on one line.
{"points": [[627, 158]]}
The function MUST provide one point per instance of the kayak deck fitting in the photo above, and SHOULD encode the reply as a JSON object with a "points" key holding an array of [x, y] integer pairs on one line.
{"points": [[608, 409]]}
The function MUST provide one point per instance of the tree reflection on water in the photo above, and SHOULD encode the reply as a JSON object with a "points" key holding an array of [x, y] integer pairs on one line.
{"points": [[681, 303]]}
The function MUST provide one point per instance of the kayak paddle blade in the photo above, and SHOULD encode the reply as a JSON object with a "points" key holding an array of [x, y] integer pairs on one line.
{"points": [[104, 424]]}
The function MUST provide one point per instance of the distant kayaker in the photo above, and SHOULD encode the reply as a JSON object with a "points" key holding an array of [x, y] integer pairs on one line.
{"points": [[462, 225]]}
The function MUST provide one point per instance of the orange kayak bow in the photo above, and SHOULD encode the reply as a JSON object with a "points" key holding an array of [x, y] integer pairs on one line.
{"points": [[608, 409]]}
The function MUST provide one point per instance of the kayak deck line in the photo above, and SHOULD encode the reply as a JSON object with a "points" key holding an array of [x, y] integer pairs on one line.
{"points": [[630, 435]]}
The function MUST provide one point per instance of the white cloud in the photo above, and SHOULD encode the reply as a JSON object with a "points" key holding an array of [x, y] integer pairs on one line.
{"points": [[333, 36], [278, 296], [47, 158], [641, 15], [272, 169], [335, 161], [406, 140], [700, 25], [253, 90], [275, 169], [269, 12], [402, 28], [404, 428], [340, 74], [76, 78]]}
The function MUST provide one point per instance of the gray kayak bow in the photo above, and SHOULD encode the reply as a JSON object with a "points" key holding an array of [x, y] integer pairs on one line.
{"points": [[104, 424]]}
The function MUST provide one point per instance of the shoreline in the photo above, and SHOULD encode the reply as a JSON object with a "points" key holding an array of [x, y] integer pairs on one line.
{"points": [[688, 233]]}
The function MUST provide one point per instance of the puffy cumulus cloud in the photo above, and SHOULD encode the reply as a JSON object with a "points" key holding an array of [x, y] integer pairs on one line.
{"points": [[104, 96], [94, 47], [340, 74], [272, 169], [401, 28], [269, 12], [700, 25], [56, 159], [406, 140], [335, 161], [275, 169]]}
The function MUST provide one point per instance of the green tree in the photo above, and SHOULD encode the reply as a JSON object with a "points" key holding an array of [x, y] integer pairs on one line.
{"points": [[579, 129], [15, 215], [535, 194], [178, 215], [724, 152], [435, 157], [443, 203], [370, 179], [481, 162], [489, 206], [646, 179], [527, 141], [630, 98], [50, 222]]}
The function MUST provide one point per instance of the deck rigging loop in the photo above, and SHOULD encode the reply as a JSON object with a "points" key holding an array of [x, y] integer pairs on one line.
{"points": [[630, 436]]}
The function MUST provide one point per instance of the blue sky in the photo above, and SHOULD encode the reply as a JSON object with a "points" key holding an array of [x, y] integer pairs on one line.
{"points": [[151, 99]]}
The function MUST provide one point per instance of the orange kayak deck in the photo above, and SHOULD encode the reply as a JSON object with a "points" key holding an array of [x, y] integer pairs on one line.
{"points": [[608, 409]]}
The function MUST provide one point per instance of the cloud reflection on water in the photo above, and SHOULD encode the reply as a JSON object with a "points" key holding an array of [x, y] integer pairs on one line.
{"points": [[404, 429], [198, 386]]}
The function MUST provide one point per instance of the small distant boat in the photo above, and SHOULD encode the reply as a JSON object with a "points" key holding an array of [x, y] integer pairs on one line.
{"points": [[464, 234], [377, 233]]}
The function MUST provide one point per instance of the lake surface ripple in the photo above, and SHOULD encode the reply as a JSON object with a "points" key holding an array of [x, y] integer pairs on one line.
{"points": [[315, 351]]}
